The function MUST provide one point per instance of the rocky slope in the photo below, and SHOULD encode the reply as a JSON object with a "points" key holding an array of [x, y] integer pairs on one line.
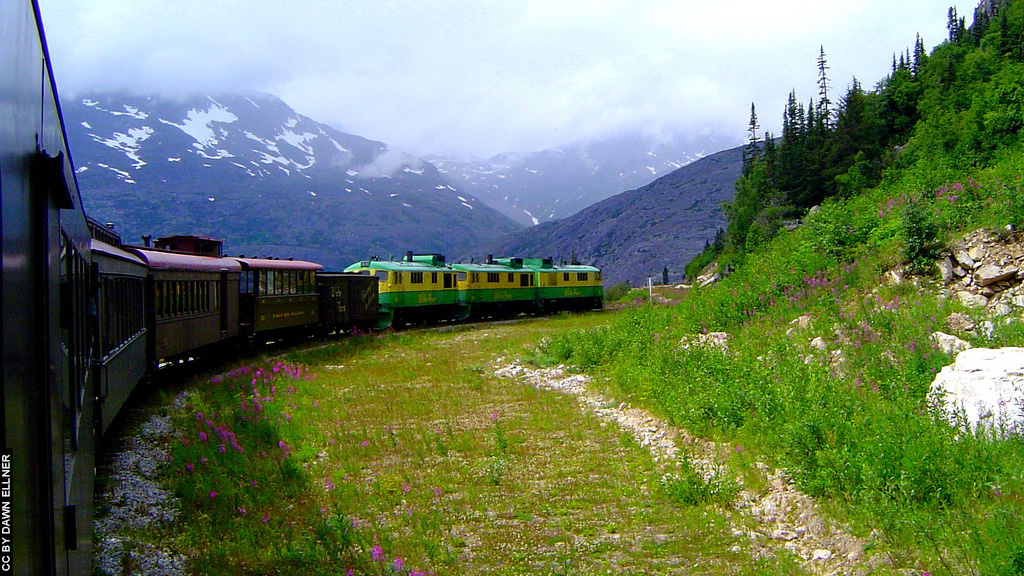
{"points": [[638, 233]]}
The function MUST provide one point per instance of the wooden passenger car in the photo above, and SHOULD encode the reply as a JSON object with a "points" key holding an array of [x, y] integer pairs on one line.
{"points": [[194, 301], [121, 354], [47, 394], [277, 296]]}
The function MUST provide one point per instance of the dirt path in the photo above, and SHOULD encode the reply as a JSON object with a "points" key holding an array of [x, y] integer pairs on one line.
{"points": [[781, 518]]}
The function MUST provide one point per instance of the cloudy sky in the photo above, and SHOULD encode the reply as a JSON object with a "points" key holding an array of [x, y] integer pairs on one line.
{"points": [[481, 77]]}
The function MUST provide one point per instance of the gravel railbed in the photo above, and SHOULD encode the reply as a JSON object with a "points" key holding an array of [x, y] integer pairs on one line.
{"points": [[135, 500]]}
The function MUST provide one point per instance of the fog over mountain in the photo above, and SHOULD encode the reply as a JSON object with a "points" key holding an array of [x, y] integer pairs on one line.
{"points": [[550, 184]]}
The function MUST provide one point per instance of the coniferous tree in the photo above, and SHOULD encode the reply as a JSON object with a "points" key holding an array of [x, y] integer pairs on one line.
{"points": [[824, 104], [752, 151], [920, 56]]}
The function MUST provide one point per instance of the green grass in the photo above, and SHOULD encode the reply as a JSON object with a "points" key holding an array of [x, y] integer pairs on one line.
{"points": [[852, 424], [406, 449]]}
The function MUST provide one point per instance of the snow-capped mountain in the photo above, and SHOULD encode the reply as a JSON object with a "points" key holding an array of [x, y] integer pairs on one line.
{"points": [[540, 186], [248, 169]]}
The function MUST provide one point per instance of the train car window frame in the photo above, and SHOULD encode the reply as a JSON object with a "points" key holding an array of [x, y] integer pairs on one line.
{"points": [[582, 276], [448, 280], [416, 277], [565, 277], [433, 277], [511, 278], [493, 277]]}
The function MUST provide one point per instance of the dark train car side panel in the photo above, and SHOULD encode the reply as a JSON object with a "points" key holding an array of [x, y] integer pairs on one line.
{"points": [[47, 397], [191, 328], [347, 301], [192, 300], [121, 358]]}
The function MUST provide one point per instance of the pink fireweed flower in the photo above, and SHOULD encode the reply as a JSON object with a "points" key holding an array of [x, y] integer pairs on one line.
{"points": [[365, 443], [190, 467], [213, 494], [378, 553], [254, 483], [266, 519], [242, 511], [399, 564], [405, 488], [202, 436]]}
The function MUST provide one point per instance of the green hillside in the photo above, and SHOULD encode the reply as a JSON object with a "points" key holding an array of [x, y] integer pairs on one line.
{"points": [[829, 324]]}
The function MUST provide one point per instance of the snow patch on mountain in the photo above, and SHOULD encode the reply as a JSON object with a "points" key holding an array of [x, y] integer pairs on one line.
{"points": [[128, 143], [199, 124]]}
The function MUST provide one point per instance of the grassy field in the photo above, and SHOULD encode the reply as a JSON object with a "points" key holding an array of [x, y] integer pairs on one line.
{"points": [[404, 454]]}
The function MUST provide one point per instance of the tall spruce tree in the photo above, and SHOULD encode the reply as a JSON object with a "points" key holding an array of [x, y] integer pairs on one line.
{"points": [[824, 104], [752, 151], [920, 56]]}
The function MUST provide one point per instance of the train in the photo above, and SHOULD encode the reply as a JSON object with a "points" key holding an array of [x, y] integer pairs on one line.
{"points": [[88, 318], [423, 287]]}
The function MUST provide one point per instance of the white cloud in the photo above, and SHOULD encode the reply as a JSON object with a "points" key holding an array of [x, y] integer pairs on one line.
{"points": [[486, 77]]}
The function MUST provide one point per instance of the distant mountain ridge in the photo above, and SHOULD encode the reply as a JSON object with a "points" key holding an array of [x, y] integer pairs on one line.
{"points": [[550, 184], [638, 233], [248, 169]]}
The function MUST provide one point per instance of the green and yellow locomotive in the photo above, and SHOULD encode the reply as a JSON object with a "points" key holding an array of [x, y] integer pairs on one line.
{"points": [[423, 287]]}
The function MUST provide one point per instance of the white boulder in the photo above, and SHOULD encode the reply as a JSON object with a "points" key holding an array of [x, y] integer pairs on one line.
{"points": [[983, 388]]}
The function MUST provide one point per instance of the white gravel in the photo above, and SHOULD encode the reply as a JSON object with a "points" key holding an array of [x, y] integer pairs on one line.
{"points": [[135, 501]]}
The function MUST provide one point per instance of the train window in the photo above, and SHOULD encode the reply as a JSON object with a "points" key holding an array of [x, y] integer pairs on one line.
{"points": [[416, 277], [511, 278], [565, 277], [582, 276], [382, 275], [524, 279], [433, 277], [474, 278], [448, 280], [597, 276], [398, 277], [493, 277]]}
